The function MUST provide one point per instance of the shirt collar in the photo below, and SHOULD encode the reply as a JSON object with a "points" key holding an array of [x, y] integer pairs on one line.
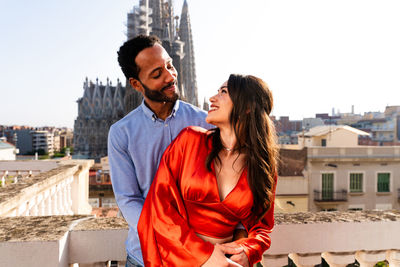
{"points": [[151, 115]]}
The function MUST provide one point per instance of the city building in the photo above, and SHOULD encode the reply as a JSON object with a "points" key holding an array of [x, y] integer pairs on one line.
{"points": [[292, 188], [19, 136], [328, 120], [384, 131], [7, 151], [156, 17], [353, 178], [287, 129], [43, 142], [331, 136], [101, 194], [29, 140], [384, 127], [66, 138], [102, 105], [309, 123]]}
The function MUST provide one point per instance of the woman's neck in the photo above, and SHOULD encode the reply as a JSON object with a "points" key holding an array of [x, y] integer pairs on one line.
{"points": [[228, 139]]}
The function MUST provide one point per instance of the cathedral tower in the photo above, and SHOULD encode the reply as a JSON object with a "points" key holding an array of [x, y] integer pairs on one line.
{"points": [[188, 62], [156, 17]]}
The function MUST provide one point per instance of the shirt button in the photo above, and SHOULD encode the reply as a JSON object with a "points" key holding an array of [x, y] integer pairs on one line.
{"points": [[166, 125]]}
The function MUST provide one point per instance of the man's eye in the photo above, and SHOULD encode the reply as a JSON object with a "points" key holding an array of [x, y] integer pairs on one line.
{"points": [[157, 75]]}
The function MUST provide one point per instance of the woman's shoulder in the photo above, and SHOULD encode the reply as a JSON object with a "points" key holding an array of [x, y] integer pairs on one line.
{"points": [[192, 135], [194, 131]]}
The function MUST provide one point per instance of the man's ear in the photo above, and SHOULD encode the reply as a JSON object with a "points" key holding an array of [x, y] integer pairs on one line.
{"points": [[136, 85]]}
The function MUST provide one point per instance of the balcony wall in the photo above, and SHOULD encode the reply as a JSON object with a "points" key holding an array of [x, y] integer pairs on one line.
{"points": [[338, 237], [61, 189], [349, 154]]}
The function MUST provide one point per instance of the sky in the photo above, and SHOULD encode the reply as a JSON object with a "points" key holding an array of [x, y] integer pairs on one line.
{"points": [[315, 55]]}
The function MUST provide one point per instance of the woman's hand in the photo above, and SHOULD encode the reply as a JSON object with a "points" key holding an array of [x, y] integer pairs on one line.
{"points": [[219, 259], [241, 257]]}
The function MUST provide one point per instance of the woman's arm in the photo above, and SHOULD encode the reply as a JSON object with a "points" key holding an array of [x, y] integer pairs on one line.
{"points": [[258, 240], [164, 233]]}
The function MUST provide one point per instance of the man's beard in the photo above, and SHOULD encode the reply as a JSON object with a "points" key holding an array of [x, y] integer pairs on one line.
{"points": [[158, 96]]}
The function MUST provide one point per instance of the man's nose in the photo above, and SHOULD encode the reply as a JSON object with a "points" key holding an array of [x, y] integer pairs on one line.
{"points": [[171, 75]]}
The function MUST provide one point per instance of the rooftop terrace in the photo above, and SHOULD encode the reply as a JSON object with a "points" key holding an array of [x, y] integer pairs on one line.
{"points": [[339, 238]]}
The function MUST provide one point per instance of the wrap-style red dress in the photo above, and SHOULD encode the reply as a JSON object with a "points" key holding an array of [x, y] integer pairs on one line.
{"points": [[183, 200]]}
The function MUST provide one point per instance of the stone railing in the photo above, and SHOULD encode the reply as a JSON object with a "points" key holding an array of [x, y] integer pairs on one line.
{"points": [[61, 190], [49, 241], [340, 238]]}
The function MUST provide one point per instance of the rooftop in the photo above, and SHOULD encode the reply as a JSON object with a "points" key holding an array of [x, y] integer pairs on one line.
{"points": [[338, 237], [292, 162], [326, 129], [6, 145]]}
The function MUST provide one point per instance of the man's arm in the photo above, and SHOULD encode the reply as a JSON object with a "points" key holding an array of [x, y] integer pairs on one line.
{"points": [[123, 177]]}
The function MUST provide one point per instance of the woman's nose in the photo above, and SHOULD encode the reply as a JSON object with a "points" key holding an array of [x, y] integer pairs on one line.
{"points": [[212, 99]]}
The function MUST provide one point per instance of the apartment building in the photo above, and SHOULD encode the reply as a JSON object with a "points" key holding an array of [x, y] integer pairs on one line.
{"points": [[353, 178], [43, 140]]}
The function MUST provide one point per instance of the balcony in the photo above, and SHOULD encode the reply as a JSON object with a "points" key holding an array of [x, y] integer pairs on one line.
{"points": [[340, 238], [330, 196], [32, 188]]}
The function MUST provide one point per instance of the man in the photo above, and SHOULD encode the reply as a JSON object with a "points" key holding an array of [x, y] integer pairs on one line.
{"points": [[137, 142]]}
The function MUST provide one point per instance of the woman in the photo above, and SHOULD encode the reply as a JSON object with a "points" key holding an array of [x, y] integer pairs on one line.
{"points": [[209, 182]]}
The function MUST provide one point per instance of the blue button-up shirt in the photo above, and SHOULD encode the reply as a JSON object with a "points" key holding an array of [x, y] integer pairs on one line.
{"points": [[135, 146]]}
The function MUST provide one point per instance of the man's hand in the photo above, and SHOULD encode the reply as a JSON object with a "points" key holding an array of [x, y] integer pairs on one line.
{"points": [[219, 259], [240, 258]]}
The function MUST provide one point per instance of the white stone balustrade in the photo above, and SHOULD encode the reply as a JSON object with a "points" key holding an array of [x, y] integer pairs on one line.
{"points": [[340, 238], [62, 190]]}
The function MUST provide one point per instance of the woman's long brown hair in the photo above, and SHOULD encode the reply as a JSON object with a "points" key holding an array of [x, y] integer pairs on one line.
{"points": [[255, 132]]}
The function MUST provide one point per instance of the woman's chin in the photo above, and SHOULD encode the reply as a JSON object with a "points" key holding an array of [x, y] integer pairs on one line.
{"points": [[209, 121]]}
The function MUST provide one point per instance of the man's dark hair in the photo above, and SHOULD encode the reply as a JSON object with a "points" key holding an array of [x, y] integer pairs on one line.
{"points": [[130, 49]]}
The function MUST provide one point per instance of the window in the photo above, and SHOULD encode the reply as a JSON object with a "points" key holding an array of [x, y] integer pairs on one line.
{"points": [[356, 182], [383, 182], [327, 186], [323, 142]]}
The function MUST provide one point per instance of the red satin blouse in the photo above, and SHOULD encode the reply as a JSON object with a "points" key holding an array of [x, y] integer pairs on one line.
{"points": [[183, 200]]}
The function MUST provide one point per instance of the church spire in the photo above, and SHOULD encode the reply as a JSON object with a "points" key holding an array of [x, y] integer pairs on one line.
{"points": [[188, 62], [156, 15]]}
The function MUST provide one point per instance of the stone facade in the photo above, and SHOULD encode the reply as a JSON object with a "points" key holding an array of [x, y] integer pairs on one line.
{"points": [[156, 17], [348, 178], [102, 105]]}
